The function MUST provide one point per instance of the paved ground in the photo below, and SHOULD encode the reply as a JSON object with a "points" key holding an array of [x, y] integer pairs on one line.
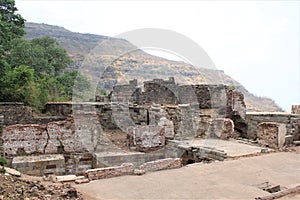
{"points": [[233, 148], [233, 179]]}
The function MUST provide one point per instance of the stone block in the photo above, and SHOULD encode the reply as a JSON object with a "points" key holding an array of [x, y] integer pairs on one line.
{"points": [[271, 134], [67, 178], [12, 172], [146, 138], [169, 127], [81, 181]]}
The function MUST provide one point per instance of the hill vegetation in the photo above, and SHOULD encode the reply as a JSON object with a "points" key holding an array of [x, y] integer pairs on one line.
{"points": [[40, 63], [111, 61]]}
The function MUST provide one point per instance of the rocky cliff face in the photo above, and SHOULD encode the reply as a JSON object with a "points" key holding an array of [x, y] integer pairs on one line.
{"points": [[106, 60]]}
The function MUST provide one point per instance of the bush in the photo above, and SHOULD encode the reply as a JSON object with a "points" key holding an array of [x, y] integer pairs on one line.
{"points": [[2, 163]]}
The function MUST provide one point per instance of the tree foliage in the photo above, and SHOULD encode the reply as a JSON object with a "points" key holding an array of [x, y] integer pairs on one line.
{"points": [[11, 24], [43, 54], [32, 71]]}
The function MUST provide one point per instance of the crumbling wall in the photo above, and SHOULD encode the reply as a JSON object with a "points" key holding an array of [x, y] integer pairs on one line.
{"points": [[42, 139], [160, 92], [236, 110], [291, 121], [146, 138], [125, 93], [62, 134], [271, 134], [24, 139], [208, 127]]}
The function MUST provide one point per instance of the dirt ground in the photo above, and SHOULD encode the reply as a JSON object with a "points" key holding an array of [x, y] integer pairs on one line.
{"points": [[232, 179], [33, 188]]}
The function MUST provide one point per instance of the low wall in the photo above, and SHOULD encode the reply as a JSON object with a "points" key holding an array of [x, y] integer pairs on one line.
{"points": [[168, 163], [292, 122], [109, 172], [105, 160], [40, 165]]}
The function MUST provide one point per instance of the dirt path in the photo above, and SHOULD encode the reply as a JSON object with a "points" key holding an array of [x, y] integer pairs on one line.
{"points": [[234, 179]]}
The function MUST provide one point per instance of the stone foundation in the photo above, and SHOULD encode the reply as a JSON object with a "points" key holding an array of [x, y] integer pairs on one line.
{"points": [[40, 165]]}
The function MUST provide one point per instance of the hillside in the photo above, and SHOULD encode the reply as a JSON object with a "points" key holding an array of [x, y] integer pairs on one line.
{"points": [[107, 58]]}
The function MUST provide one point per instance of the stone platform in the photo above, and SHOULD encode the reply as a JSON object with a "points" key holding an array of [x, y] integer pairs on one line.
{"points": [[233, 148]]}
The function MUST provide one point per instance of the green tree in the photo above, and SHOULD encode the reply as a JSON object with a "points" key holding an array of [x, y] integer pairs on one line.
{"points": [[44, 55], [11, 24], [56, 57], [61, 88], [20, 87]]}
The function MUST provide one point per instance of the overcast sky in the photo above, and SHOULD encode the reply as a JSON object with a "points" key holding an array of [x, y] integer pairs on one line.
{"points": [[255, 42]]}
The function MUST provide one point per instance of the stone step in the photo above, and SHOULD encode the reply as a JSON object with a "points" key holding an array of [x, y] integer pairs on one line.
{"points": [[66, 178]]}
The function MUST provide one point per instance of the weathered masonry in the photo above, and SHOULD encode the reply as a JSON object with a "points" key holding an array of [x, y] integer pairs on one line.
{"points": [[152, 127], [291, 122]]}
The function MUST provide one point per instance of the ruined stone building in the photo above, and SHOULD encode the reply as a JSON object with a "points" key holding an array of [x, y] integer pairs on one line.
{"points": [[137, 124]]}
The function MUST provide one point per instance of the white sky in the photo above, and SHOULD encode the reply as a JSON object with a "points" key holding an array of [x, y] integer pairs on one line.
{"points": [[255, 42]]}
